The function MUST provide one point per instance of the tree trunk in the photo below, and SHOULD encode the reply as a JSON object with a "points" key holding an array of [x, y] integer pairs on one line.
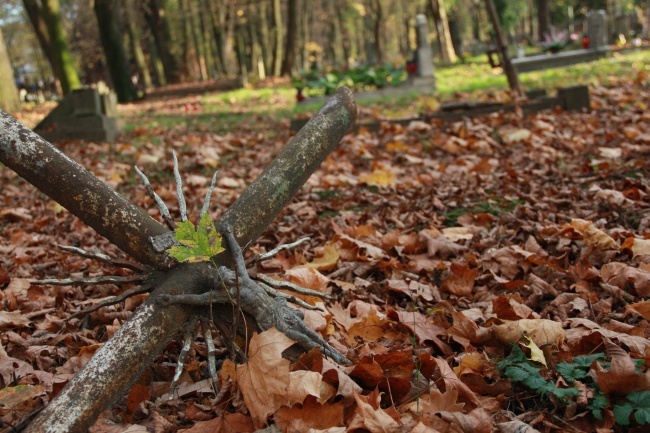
{"points": [[198, 40], [9, 100], [442, 27], [157, 20], [136, 45], [33, 9], [292, 34], [277, 37], [108, 16], [156, 63], [63, 62], [120, 361], [265, 43], [502, 47], [543, 18], [379, 46], [240, 48]]}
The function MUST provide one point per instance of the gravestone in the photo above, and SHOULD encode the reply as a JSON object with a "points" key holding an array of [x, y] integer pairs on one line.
{"points": [[424, 77], [597, 29], [83, 114]]}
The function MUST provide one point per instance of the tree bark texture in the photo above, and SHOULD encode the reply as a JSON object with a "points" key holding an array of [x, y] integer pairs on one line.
{"points": [[155, 15], [9, 100], [277, 37], [118, 364], [290, 41], [108, 20], [442, 28], [136, 44], [543, 18], [51, 14]]}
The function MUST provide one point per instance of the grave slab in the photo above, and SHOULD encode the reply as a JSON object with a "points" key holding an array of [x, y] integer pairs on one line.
{"points": [[83, 114]]}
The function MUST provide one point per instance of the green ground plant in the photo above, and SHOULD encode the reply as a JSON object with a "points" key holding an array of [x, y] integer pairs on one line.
{"points": [[522, 371]]}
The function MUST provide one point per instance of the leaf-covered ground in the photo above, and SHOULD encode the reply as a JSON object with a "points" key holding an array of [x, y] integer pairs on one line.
{"points": [[491, 273]]}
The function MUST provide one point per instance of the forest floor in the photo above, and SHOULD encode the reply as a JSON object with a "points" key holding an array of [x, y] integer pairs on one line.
{"points": [[490, 274]]}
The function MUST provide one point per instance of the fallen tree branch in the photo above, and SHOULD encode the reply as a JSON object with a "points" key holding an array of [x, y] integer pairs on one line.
{"points": [[119, 363]]}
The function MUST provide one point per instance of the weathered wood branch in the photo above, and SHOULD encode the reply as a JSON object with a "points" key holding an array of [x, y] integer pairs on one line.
{"points": [[118, 364]]}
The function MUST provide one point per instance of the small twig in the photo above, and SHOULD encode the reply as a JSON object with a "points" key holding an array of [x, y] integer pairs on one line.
{"points": [[101, 257], [179, 189], [35, 314], [180, 365], [114, 300], [209, 343], [275, 251], [290, 298], [291, 286], [162, 207], [104, 279], [206, 202]]}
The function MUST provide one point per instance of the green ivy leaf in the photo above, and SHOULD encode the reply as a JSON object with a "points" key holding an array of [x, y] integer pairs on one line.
{"points": [[597, 404], [197, 244], [641, 402], [622, 413]]}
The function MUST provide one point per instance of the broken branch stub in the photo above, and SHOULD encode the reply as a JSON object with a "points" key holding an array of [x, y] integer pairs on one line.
{"points": [[120, 361]]}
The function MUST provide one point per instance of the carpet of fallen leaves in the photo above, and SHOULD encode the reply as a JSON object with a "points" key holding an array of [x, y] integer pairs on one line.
{"points": [[442, 245]]}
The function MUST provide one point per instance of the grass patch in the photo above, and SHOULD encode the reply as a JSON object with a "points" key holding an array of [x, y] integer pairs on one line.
{"points": [[265, 108]]}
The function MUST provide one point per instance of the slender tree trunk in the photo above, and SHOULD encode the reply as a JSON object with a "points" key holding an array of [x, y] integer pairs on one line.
{"points": [[335, 38], [543, 18], [33, 9], [217, 36], [379, 22], [59, 45], [240, 48], [210, 43], [108, 15], [198, 42], [265, 40], [292, 34], [156, 63], [442, 27], [189, 69], [257, 60], [277, 37], [157, 20], [136, 44], [9, 100]]}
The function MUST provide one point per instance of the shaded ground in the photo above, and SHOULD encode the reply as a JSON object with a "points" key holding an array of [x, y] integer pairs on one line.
{"points": [[443, 245]]}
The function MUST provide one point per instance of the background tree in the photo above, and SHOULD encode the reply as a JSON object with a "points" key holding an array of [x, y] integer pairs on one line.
{"points": [[135, 37], [290, 40], [46, 19], [108, 20], [442, 28], [157, 18], [9, 100]]}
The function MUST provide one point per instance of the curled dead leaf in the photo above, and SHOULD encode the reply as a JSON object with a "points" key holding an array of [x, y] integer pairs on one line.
{"points": [[541, 331]]}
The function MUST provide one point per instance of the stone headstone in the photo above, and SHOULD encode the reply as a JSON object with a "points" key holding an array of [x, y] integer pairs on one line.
{"points": [[83, 114], [424, 54], [574, 97], [597, 29]]}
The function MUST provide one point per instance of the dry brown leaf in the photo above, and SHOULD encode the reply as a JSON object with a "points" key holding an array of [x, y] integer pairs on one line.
{"points": [[375, 420], [622, 377], [541, 331], [311, 416], [638, 247], [452, 381], [461, 280], [593, 236], [264, 379], [620, 274]]}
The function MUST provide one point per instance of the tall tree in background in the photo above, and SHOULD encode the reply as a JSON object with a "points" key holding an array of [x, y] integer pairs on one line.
{"points": [[154, 12], [46, 20], [442, 28], [136, 45], [544, 18], [277, 37], [290, 40], [9, 100], [108, 19]]}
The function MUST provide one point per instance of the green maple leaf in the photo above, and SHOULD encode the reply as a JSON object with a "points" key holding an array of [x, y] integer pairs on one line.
{"points": [[197, 244]]}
